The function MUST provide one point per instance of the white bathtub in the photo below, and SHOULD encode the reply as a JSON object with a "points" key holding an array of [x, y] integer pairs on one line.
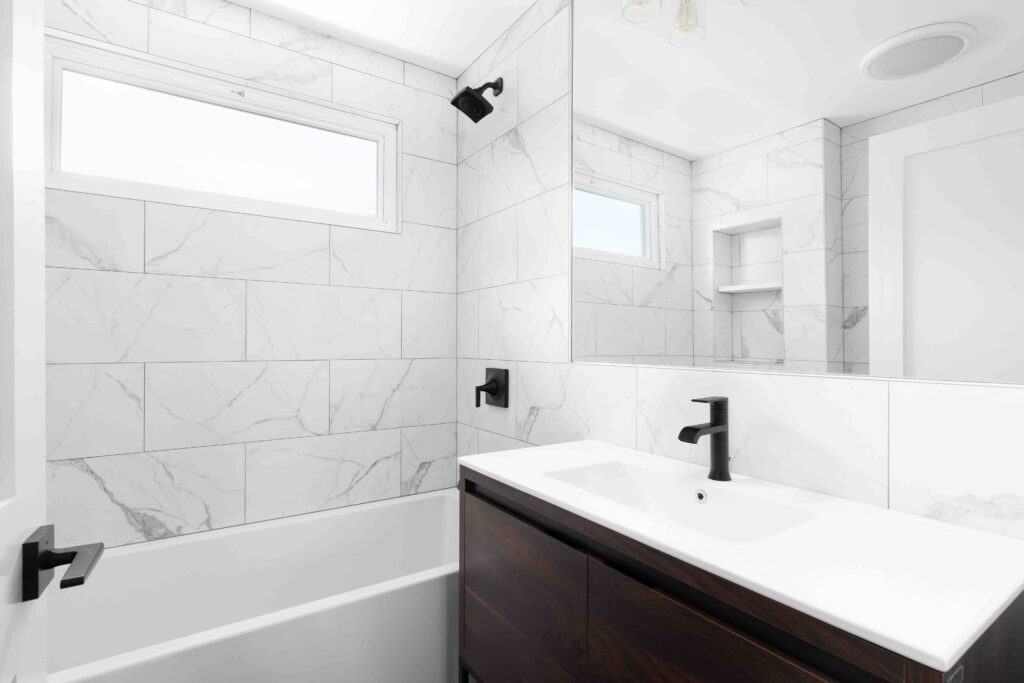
{"points": [[362, 594]]}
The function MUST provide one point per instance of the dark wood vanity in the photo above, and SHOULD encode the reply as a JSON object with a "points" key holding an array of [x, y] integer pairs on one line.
{"points": [[546, 595]]}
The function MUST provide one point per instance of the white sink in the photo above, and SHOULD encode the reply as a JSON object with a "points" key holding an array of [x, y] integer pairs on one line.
{"points": [[686, 499]]}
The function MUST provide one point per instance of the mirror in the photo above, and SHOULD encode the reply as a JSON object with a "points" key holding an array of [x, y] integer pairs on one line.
{"points": [[797, 186]]}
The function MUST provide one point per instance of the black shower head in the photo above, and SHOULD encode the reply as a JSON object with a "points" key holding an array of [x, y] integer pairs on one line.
{"points": [[471, 101]]}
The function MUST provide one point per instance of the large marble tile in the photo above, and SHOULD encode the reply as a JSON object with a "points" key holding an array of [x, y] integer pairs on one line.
{"points": [[855, 279], [92, 231], [121, 499], [601, 282], [761, 335], [941, 467], [296, 322], [855, 170], [544, 65], [428, 121], [487, 251], [538, 14], [544, 235], [528, 160], [421, 258], [804, 278], [773, 143], [584, 330], [385, 394], [591, 158], [468, 200], [468, 317], [219, 13], [489, 442], [806, 332], [429, 81], [181, 240], [797, 171], [428, 458], [212, 48], [918, 113], [428, 192], [671, 287], [199, 404], [526, 320], [856, 335], [568, 402], [679, 333], [495, 419], [102, 317], [309, 42], [295, 476], [428, 325], [814, 433], [630, 331], [678, 240], [93, 410], [466, 440], [118, 22], [731, 188], [855, 224], [674, 187], [472, 137]]}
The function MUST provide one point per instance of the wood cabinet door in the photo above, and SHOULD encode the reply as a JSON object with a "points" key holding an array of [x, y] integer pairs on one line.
{"points": [[639, 634], [524, 602]]}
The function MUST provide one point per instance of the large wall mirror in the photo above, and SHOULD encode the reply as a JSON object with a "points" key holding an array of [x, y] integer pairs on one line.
{"points": [[796, 186]]}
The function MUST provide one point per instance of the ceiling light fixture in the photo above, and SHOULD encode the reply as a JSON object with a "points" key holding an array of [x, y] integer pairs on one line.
{"points": [[640, 10], [918, 51], [687, 30]]}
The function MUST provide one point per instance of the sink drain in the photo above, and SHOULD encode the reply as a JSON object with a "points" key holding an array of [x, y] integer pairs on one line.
{"points": [[702, 496]]}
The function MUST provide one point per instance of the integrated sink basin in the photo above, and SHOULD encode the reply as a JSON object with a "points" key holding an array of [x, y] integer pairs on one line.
{"points": [[687, 499]]}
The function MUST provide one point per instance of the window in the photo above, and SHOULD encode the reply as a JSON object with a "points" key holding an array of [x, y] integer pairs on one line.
{"points": [[615, 222], [127, 126]]}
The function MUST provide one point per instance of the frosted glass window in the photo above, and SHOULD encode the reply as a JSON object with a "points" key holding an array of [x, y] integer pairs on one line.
{"points": [[609, 224], [125, 132]]}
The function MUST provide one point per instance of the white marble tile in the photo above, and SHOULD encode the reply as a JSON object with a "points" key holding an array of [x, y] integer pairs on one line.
{"points": [[295, 476], [671, 287], [428, 325], [598, 160], [773, 143], [834, 279], [495, 419], [544, 65], [468, 334], [93, 410], [313, 322], [804, 278], [488, 442], [428, 121], [675, 188], [757, 301], [429, 81], [199, 404], [630, 331], [420, 258], [100, 317], [526, 320], [706, 164], [833, 133], [832, 169], [855, 279], [468, 178], [703, 333], [761, 334], [833, 223], [705, 287], [941, 467], [472, 137], [796, 171], [122, 499], [1003, 89], [544, 235], [119, 22], [428, 459], [385, 394], [703, 240], [219, 13], [92, 231], [855, 224], [428, 192], [182, 240], [855, 170], [731, 188], [815, 433], [760, 246], [836, 341], [467, 440], [601, 282], [806, 331], [528, 160], [855, 335], [584, 330], [208, 47], [678, 240], [487, 251], [679, 333], [569, 402], [918, 113], [300, 39]]}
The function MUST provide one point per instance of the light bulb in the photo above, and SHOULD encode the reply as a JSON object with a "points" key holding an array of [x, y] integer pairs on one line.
{"points": [[687, 30], [640, 10]]}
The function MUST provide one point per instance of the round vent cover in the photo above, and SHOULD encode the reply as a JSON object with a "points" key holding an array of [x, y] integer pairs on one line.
{"points": [[918, 51]]}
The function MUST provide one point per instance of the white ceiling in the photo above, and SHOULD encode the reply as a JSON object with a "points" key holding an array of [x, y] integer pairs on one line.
{"points": [[444, 35], [761, 70]]}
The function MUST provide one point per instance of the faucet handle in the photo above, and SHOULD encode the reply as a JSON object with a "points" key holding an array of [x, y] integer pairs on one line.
{"points": [[715, 401]]}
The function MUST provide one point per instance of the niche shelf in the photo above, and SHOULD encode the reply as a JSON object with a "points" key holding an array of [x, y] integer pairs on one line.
{"points": [[751, 287]]}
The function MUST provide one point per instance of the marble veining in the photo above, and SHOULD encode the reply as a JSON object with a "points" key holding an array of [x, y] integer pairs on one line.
{"points": [[428, 458], [219, 13], [384, 394], [118, 22], [91, 231], [94, 410]]}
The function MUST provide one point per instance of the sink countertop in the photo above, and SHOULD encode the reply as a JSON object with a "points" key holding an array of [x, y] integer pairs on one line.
{"points": [[921, 588]]}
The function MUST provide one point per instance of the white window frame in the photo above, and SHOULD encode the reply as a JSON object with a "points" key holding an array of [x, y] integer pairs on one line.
{"points": [[82, 55], [653, 219]]}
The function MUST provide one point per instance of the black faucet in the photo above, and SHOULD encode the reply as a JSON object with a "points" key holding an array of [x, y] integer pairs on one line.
{"points": [[718, 428]]}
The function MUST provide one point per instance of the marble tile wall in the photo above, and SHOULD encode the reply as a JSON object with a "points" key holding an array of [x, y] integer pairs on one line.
{"points": [[625, 313], [207, 368], [854, 156]]}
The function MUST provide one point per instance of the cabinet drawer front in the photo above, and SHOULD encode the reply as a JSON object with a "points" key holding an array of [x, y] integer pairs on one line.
{"points": [[638, 634], [524, 602]]}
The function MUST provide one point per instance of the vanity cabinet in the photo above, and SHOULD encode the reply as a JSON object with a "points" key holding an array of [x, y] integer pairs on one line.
{"points": [[546, 595]]}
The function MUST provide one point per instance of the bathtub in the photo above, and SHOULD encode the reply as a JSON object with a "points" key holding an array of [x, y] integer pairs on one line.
{"points": [[361, 594]]}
